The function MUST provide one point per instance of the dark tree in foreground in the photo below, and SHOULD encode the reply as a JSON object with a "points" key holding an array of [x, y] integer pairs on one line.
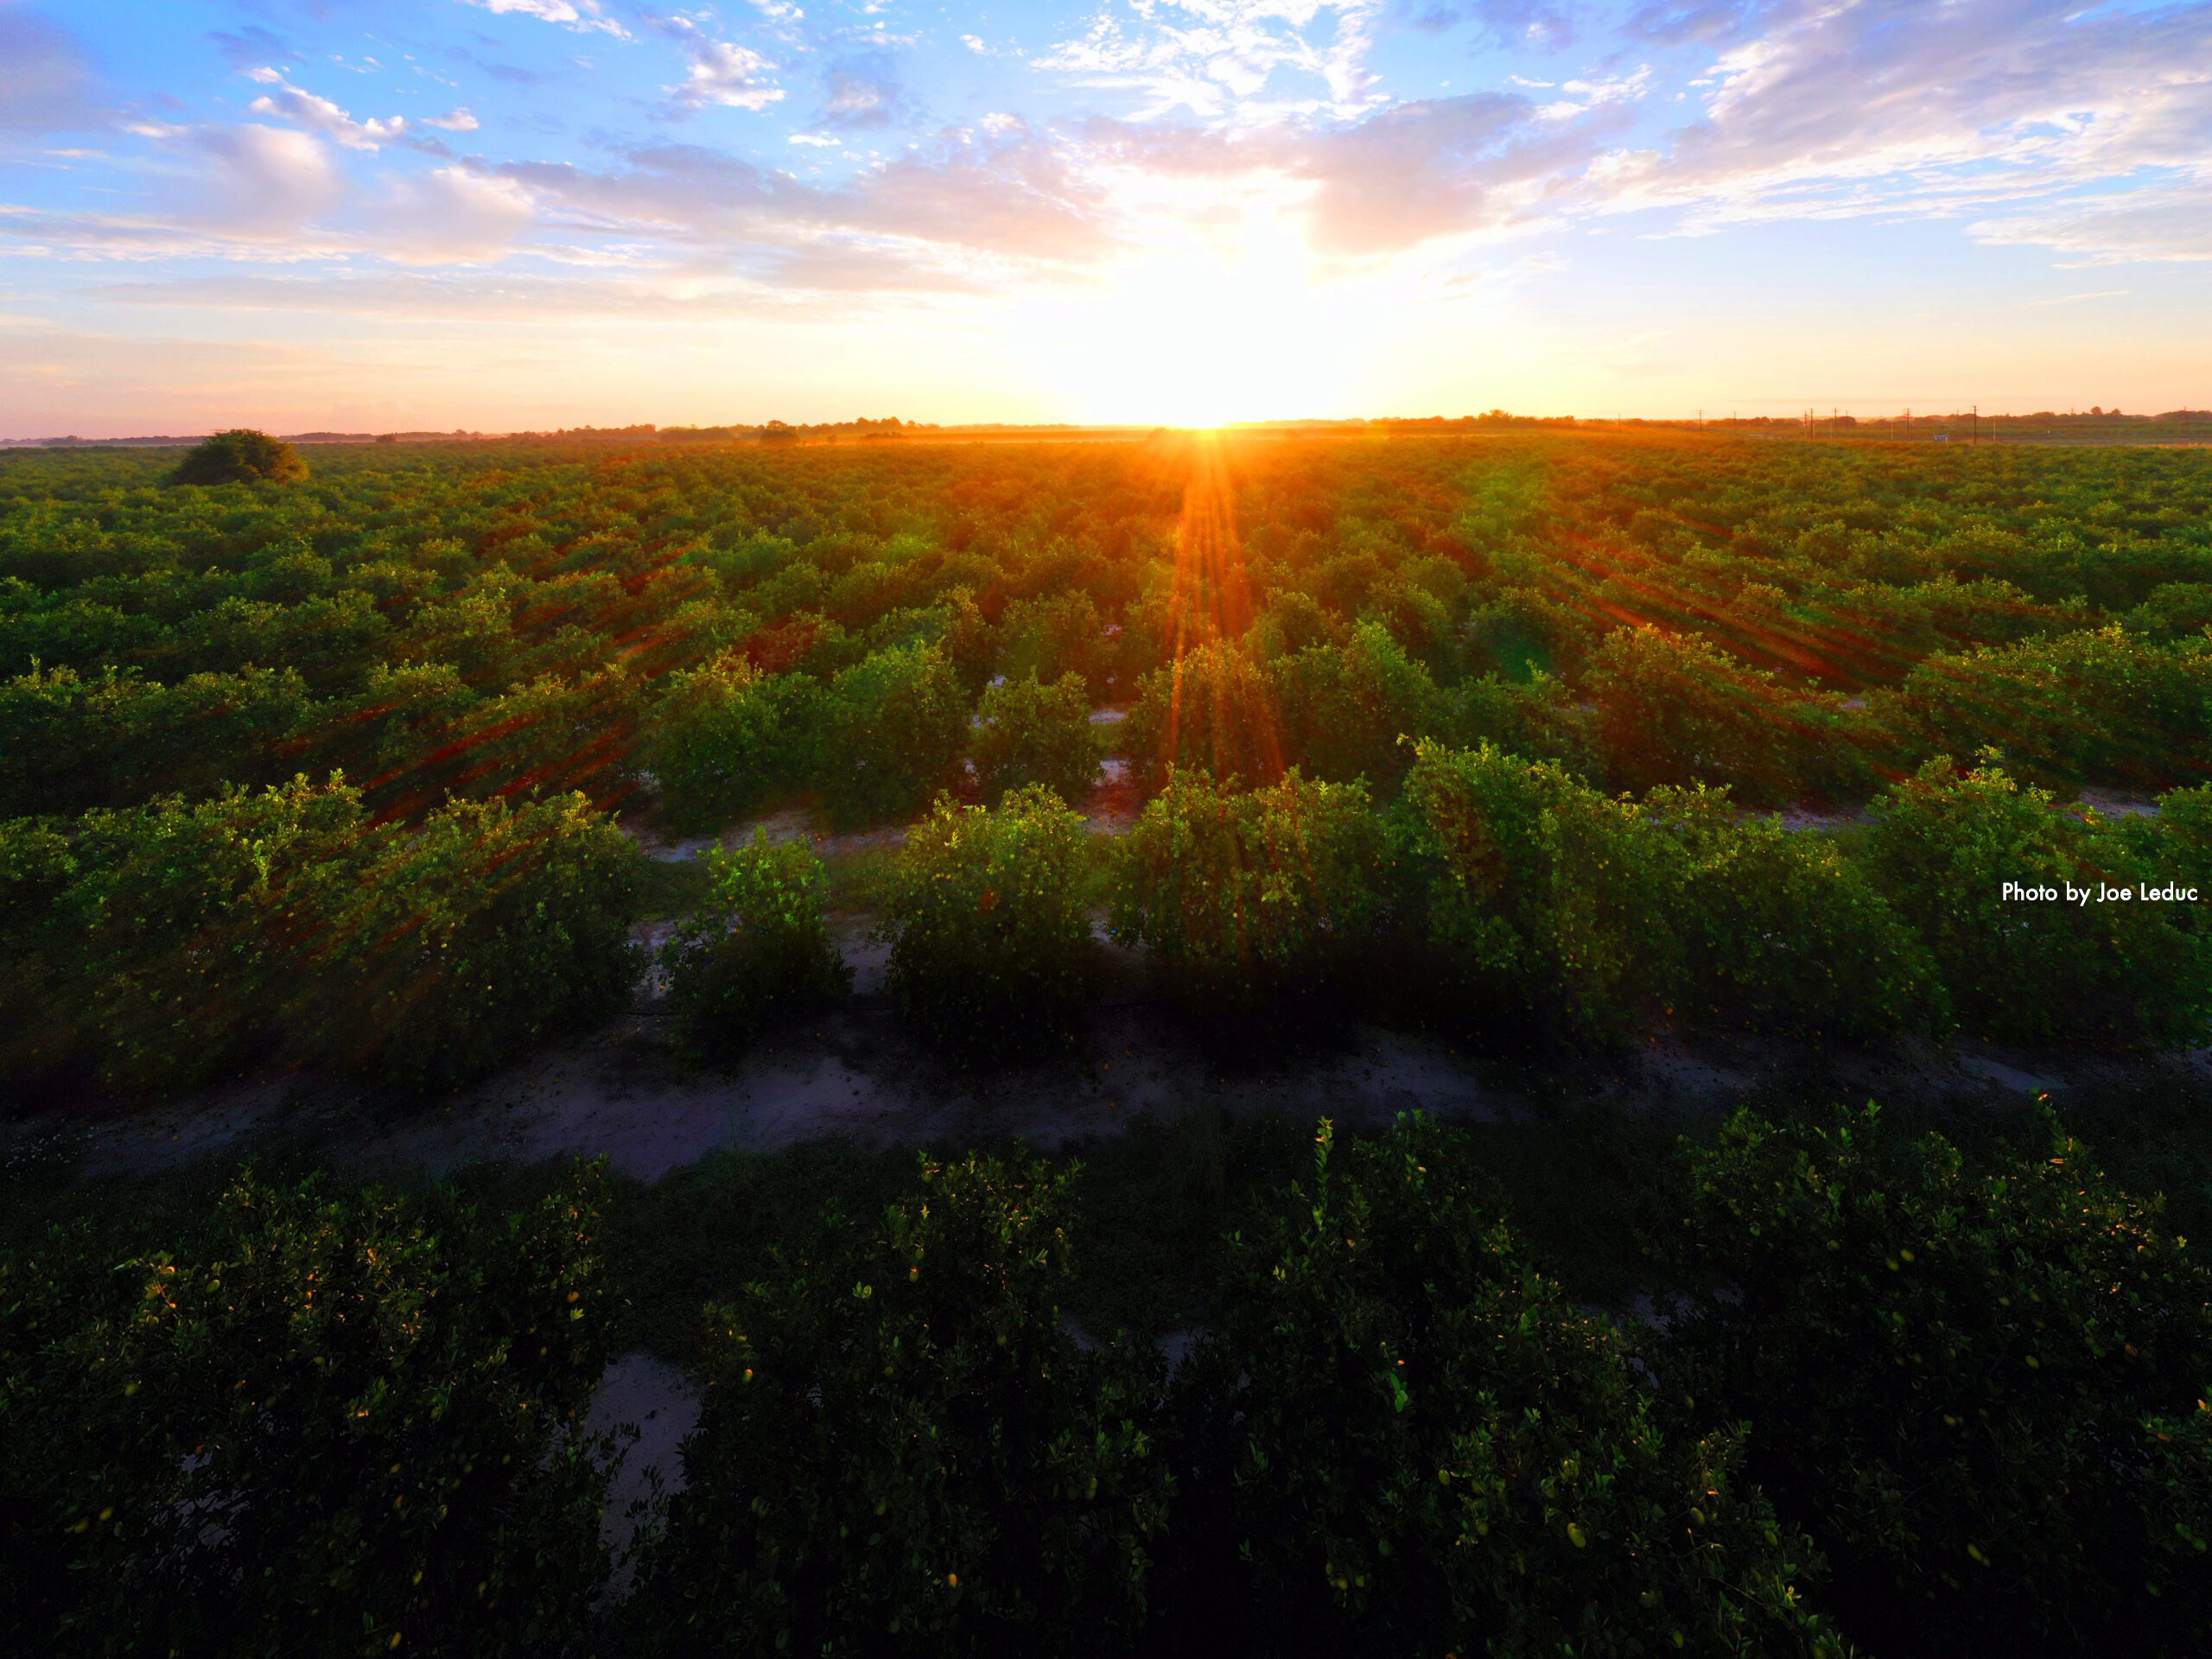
{"points": [[243, 456], [332, 1423], [1404, 1439], [904, 1452], [1982, 1390]]}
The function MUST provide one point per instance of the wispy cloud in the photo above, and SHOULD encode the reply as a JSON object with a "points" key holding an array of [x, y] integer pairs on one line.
{"points": [[585, 16]]}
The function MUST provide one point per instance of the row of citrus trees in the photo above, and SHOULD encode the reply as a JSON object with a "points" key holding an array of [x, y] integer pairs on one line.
{"points": [[1926, 1407], [1506, 895], [152, 948]]}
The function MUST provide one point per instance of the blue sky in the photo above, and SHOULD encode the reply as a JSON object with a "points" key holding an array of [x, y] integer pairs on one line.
{"points": [[496, 213]]}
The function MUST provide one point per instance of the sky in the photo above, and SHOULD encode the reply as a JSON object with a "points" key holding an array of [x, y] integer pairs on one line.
{"points": [[509, 214]]}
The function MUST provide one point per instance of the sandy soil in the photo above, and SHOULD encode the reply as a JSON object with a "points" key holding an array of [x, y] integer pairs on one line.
{"points": [[792, 823], [645, 1394], [856, 1074]]}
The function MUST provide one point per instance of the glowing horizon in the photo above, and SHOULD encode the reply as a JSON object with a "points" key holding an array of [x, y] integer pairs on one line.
{"points": [[520, 214]]}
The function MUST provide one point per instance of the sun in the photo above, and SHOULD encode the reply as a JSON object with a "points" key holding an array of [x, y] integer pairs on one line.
{"points": [[1196, 330]]}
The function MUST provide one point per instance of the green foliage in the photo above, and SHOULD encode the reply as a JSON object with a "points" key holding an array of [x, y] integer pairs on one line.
{"points": [[897, 722], [333, 1425], [1050, 635], [1943, 845], [178, 940], [178, 932], [1033, 732], [1538, 894], [903, 1451], [755, 953], [991, 948], [1404, 1439], [1344, 707], [2089, 706], [241, 456], [1672, 708], [75, 743], [1781, 932], [492, 930], [723, 736], [1213, 710], [1238, 895], [1965, 1383], [743, 623]]}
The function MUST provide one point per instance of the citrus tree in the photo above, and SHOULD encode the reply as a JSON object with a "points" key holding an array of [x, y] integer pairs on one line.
{"points": [[1402, 1438], [896, 723], [1964, 1381], [332, 1423], [755, 952], [1237, 895], [990, 937], [903, 1449], [1945, 845], [1537, 894], [724, 736], [1030, 731]]}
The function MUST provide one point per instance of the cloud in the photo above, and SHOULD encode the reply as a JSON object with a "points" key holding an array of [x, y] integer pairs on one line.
{"points": [[459, 121], [452, 216], [262, 181], [721, 72], [863, 92], [2154, 222], [580, 14], [1868, 104], [1708, 22], [1216, 58], [1477, 163], [46, 81], [250, 44], [321, 116], [1502, 22], [1011, 196]]}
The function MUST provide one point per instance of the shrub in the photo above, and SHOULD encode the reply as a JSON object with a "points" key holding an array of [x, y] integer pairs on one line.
{"points": [[1037, 733], [991, 941], [1212, 709], [1403, 1439], [183, 939], [724, 736], [1676, 708], [115, 740], [336, 1424], [755, 953], [898, 720], [242, 456], [2086, 706], [1956, 1379], [1346, 707], [1942, 847], [1240, 895], [179, 931], [1781, 932], [903, 1451], [492, 928], [1538, 895], [1049, 636]]}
